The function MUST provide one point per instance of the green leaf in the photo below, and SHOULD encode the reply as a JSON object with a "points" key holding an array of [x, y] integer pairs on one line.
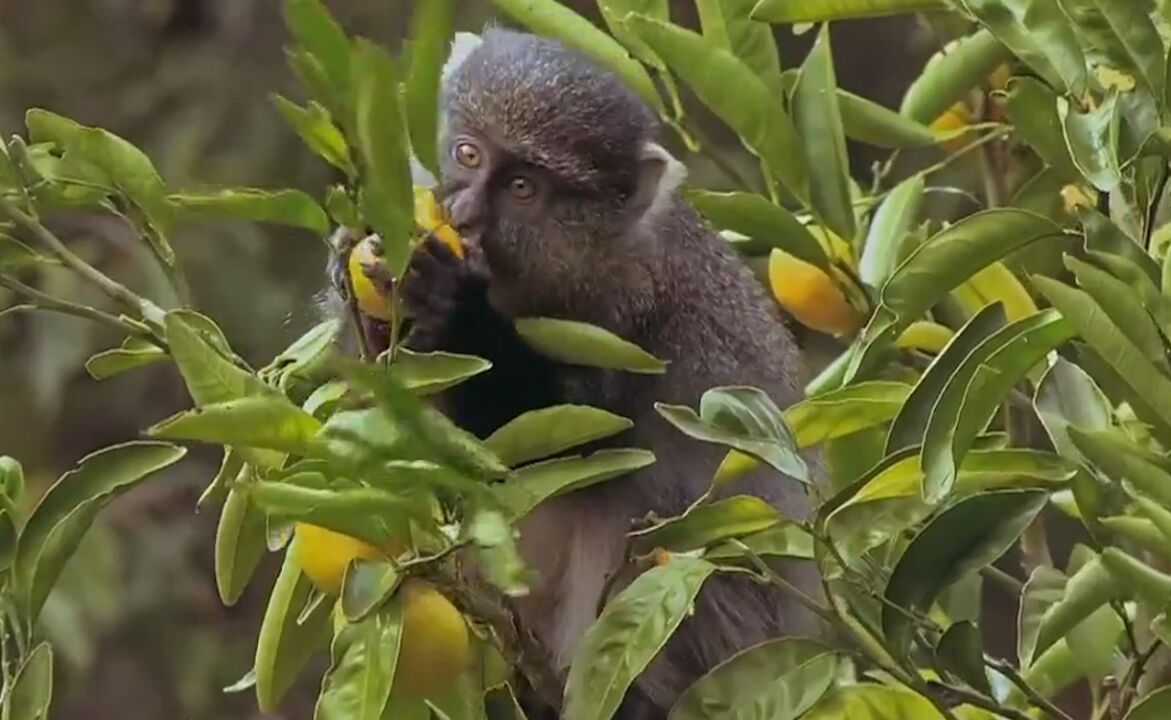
{"points": [[978, 387], [937, 267], [366, 587], [811, 11], [58, 523], [819, 124], [1104, 239], [726, 24], [894, 220], [579, 343], [268, 421], [533, 484], [631, 630], [210, 378], [307, 359], [369, 514], [315, 29], [847, 410], [500, 703], [744, 418], [1155, 706], [134, 353], [960, 651], [284, 645], [1103, 336], [431, 30], [1122, 306], [776, 679], [964, 538], [951, 74], [1040, 34], [552, 19], [425, 373], [1119, 458], [8, 536], [614, 14], [287, 207], [32, 689], [868, 122], [787, 539], [316, 129], [387, 191], [761, 220], [547, 431], [1043, 589], [1068, 396], [1147, 583], [11, 478], [363, 656], [708, 524], [1092, 140], [239, 544], [1091, 587], [736, 94], [869, 701], [16, 256], [1031, 107], [1125, 34], [497, 557]]}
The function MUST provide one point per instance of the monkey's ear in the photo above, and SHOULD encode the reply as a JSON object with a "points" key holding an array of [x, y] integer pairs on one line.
{"points": [[659, 174]]}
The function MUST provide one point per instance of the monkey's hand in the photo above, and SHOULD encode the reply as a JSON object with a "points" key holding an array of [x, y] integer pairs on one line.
{"points": [[341, 243], [436, 283]]}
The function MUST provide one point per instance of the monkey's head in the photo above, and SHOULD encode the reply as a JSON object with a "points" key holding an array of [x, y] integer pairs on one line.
{"points": [[549, 160]]}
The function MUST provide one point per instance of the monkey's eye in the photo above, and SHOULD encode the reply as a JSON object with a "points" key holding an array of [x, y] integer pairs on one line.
{"points": [[522, 188], [468, 155]]}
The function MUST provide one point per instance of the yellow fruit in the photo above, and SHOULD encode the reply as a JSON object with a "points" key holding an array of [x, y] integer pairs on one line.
{"points": [[429, 216], [925, 335], [370, 300], [810, 295], [435, 645], [324, 555], [954, 118]]}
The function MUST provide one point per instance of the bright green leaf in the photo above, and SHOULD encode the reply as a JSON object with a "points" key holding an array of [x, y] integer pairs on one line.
{"points": [[535, 483], [287, 207], [540, 433], [579, 343]]}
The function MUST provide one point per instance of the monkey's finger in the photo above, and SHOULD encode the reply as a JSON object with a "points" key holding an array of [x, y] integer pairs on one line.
{"points": [[438, 249], [380, 275]]}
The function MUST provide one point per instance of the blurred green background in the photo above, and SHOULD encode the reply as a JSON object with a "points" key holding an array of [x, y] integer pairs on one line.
{"points": [[136, 620]]}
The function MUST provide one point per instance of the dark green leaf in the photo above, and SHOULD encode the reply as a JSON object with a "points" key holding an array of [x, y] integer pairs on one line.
{"points": [[287, 207], [1068, 396], [708, 524], [533, 484], [579, 343], [1155, 706], [726, 24], [962, 539], [1040, 34], [239, 545], [1122, 306], [614, 13], [58, 523], [1117, 457], [847, 410], [631, 630], [315, 29], [1031, 107], [268, 421], [1125, 34], [776, 679], [785, 540], [8, 538], [1105, 238], [743, 418], [1042, 590], [809, 11], [32, 689], [1092, 140], [431, 30], [951, 74], [541, 433], [961, 652], [761, 220]]}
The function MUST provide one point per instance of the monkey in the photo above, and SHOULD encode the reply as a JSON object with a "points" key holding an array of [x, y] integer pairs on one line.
{"points": [[570, 207]]}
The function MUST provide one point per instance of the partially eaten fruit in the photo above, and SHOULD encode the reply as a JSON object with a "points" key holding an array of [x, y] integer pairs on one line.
{"points": [[429, 216]]}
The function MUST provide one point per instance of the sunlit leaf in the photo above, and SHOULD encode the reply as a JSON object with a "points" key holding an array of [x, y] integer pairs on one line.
{"points": [[540, 433], [708, 524], [425, 373], [287, 207], [431, 30], [535, 483], [808, 11], [260, 421], [844, 411], [579, 343], [316, 128]]}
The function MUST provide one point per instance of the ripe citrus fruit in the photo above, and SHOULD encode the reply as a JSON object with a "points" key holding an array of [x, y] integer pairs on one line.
{"points": [[435, 645], [370, 300], [954, 118], [429, 216], [810, 295], [324, 555]]}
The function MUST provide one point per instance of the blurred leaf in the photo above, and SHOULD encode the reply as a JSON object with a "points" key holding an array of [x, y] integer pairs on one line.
{"points": [[287, 207], [868, 122], [369, 514], [16, 256], [841, 412], [892, 223], [744, 418], [1149, 584], [11, 479], [961, 651], [869, 701], [535, 483], [284, 645], [315, 29], [431, 30], [614, 13], [779, 678], [425, 373], [547, 431], [216, 491], [497, 558], [579, 343], [1122, 306], [978, 387], [1068, 396], [726, 24], [500, 703], [387, 191], [631, 630], [32, 689], [1091, 587], [8, 538], [134, 353], [936, 267], [1154, 706], [60, 519], [734, 93], [787, 539], [1103, 336], [268, 421], [951, 74], [762, 220], [964, 538], [1040, 34], [1126, 35], [1118, 458], [819, 124], [708, 524], [316, 129], [1031, 107], [552, 19], [809, 11], [1092, 139], [239, 545], [366, 586]]}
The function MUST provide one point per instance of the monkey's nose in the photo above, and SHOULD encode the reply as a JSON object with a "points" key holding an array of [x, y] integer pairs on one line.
{"points": [[466, 212]]}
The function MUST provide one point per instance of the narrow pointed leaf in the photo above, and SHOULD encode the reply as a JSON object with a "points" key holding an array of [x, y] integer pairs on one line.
{"points": [[808, 11], [287, 207], [540, 433], [844, 411], [266, 421], [762, 220], [431, 31], [951, 74], [535, 483], [708, 524], [726, 24], [578, 343]]}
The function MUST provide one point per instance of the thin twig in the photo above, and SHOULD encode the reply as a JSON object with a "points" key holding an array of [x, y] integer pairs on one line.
{"points": [[1006, 669], [50, 303], [773, 577], [977, 700]]}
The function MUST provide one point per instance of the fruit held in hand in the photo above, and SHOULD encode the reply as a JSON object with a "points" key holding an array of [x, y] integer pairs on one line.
{"points": [[370, 299], [435, 645], [429, 216], [324, 555], [810, 295]]}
